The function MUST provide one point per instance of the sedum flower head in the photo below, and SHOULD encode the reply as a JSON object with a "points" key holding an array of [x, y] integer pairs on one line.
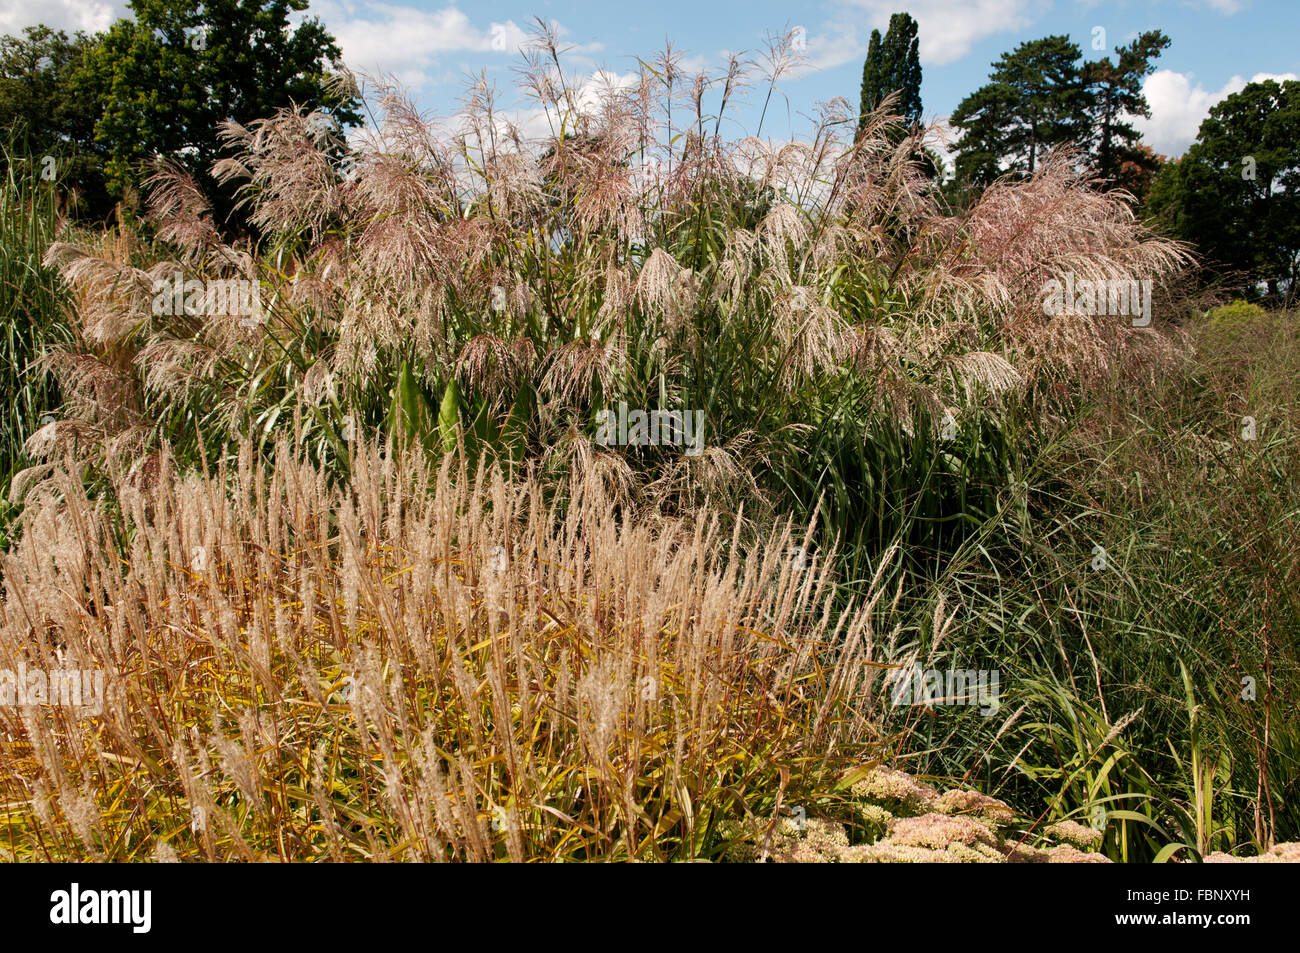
{"points": [[940, 830], [1069, 854], [873, 817], [958, 801], [1288, 853], [895, 789], [820, 842], [1024, 854], [1072, 832], [888, 852]]}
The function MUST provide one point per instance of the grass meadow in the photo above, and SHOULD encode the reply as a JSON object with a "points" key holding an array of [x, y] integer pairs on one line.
{"points": [[363, 580]]}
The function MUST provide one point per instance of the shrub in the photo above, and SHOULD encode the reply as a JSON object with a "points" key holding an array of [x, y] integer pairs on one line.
{"points": [[1228, 316]]}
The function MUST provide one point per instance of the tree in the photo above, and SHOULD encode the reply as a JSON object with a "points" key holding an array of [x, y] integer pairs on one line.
{"points": [[49, 112], [172, 75], [893, 65], [871, 80], [986, 118], [1236, 193], [1115, 94], [1138, 173], [1035, 99]]}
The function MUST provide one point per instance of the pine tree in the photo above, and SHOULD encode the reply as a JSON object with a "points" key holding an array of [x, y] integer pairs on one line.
{"points": [[1035, 99], [1115, 92]]}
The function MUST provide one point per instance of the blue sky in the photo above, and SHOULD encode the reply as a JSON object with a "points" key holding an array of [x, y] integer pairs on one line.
{"points": [[433, 45]]}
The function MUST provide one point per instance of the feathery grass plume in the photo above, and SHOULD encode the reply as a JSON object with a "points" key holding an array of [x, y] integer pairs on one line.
{"points": [[181, 211], [998, 257], [665, 286], [706, 268], [573, 370], [286, 178], [560, 653]]}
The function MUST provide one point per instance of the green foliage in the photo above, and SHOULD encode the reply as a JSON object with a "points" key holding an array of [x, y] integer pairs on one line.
{"points": [[50, 110], [32, 300], [1034, 100], [162, 83], [1161, 691], [892, 66], [1228, 316], [1236, 193]]}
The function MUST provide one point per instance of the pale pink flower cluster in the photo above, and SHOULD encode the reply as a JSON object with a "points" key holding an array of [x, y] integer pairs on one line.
{"points": [[958, 801], [937, 831], [817, 841], [887, 852], [821, 842], [1069, 854], [908, 822], [1288, 853], [872, 816], [1072, 832], [1060, 854], [895, 789]]}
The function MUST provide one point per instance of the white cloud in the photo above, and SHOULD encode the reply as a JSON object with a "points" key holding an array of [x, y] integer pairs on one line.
{"points": [[944, 142], [589, 92], [70, 15], [1178, 107], [949, 29], [834, 46], [405, 42]]}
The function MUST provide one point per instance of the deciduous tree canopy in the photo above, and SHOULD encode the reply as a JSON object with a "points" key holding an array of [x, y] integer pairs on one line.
{"points": [[1236, 193]]}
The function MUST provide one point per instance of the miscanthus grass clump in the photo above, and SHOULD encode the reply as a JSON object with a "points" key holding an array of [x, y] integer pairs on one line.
{"points": [[424, 663], [814, 300]]}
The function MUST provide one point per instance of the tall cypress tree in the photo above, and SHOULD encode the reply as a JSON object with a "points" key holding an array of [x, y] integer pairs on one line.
{"points": [[893, 64], [870, 79]]}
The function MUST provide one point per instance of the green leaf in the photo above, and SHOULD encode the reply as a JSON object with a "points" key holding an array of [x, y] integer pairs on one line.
{"points": [[1168, 851], [449, 416]]}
